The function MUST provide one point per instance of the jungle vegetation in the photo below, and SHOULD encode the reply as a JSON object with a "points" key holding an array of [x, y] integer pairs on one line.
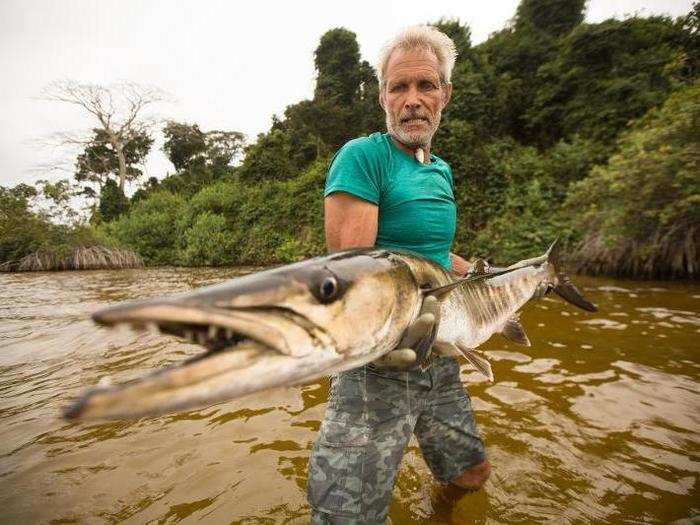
{"points": [[556, 128]]}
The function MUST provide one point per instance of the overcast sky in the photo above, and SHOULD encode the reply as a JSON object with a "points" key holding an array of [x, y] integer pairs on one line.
{"points": [[230, 65]]}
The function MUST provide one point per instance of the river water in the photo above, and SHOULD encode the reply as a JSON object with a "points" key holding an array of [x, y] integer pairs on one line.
{"points": [[599, 421]]}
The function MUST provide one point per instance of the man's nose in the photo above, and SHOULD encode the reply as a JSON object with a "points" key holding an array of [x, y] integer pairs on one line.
{"points": [[413, 99]]}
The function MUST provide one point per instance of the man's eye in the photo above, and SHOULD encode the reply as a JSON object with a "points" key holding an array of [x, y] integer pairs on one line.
{"points": [[427, 86], [397, 88]]}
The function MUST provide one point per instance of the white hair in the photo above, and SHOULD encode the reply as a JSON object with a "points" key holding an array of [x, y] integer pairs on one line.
{"points": [[421, 37]]}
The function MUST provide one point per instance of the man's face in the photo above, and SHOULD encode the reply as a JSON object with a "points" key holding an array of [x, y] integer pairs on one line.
{"points": [[413, 96]]}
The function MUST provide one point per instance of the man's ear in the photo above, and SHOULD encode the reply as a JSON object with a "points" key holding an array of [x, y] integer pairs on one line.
{"points": [[382, 100], [447, 94]]}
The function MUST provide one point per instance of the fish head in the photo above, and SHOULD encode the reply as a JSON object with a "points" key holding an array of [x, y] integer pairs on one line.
{"points": [[277, 327], [348, 301]]}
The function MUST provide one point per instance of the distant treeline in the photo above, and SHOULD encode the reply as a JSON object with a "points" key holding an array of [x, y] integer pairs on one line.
{"points": [[556, 128]]}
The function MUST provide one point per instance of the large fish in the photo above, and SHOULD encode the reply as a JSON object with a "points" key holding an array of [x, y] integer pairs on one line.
{"points": [[295, 323]]}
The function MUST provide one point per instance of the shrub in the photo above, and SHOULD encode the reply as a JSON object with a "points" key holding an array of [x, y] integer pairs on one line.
{"points": [[210, 241], [151, 228]]}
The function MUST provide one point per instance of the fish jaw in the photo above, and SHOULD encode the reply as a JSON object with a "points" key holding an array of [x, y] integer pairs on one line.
{"points": [[243, 370], [262, 331]]}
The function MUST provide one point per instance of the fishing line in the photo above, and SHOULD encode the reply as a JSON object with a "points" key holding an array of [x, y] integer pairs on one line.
{"points": [[408, 397], [364, 395]]}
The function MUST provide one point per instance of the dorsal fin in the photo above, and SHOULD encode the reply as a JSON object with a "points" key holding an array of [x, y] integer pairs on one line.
{"points": [[441, 291], [513, 330]]}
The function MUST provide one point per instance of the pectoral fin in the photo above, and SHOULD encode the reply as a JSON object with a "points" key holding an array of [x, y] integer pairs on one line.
{"points": [[478, 362], [513, 330]]}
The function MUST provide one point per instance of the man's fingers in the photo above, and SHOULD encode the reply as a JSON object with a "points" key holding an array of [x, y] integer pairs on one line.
{"points": [[399, 358], [431, 305], [405, 355]]}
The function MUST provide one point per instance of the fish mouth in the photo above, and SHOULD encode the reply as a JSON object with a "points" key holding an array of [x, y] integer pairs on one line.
{"points": [[247, 350], [214, 328]]}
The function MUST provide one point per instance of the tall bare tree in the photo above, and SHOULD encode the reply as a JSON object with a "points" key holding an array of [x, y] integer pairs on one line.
{"points": [[119, 110]]}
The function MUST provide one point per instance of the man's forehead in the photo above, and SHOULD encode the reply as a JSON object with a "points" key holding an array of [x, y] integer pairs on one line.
{"points": [[402, 62]]}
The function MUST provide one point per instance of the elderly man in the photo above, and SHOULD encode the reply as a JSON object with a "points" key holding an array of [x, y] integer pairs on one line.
{"points": [[388, 190]]}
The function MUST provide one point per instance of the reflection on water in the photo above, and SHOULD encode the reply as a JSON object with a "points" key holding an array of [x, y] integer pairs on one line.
{"points": [[598, 421]]}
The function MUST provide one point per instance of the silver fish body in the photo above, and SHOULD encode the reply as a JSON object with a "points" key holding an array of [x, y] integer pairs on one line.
{"points": [[293, 324]]}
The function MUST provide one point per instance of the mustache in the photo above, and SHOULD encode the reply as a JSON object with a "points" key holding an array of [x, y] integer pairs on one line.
{"points": [[412, 115]]}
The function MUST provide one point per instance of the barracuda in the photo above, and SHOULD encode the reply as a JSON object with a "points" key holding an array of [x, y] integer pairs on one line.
{"points": [[295, 323]]}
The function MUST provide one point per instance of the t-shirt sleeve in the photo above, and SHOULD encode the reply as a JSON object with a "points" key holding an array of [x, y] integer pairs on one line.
{"points": [[356, 169], [450, 177]]}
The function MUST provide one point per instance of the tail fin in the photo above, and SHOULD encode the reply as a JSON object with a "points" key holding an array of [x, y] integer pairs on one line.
{"points": [[564, 288]]}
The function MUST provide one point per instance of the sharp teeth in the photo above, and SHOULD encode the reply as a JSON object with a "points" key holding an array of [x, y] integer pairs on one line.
{"points": [[213, 332], [153, 328], [229, 334], [201, 338], [189, 335], [104, 381]]}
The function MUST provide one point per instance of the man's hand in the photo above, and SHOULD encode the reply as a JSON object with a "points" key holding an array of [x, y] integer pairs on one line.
{"points": [[460, 266], [414, 347]]}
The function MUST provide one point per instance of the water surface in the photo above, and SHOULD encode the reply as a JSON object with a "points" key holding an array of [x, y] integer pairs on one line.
{"points": [[598, 421]]}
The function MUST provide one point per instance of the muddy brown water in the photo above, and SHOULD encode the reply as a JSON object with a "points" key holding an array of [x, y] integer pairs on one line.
{"points": [[599, 421]]}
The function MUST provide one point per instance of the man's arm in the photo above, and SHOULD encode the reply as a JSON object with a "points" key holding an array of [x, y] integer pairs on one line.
{"points": [[350, 222], [460, 266]]}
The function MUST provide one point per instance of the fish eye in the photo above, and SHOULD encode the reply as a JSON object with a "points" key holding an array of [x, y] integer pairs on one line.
{"points": [[328, 289]]}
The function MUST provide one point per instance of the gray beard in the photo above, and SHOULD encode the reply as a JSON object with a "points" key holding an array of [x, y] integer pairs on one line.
{"points": [[412, 141]]}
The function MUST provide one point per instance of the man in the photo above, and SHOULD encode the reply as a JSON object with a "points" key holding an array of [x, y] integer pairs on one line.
{"points": [[387, 190]]}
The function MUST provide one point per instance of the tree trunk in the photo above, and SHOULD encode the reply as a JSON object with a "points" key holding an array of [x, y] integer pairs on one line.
{"points": [[119, 149]]}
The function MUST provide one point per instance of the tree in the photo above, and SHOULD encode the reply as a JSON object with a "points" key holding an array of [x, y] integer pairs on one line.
{"points": [[185, 144], [99, 160], [21, 230], [640, 213], [603, 76], [222, 147], [188, 147], [118, 111], [113, 202], [57, 201], [554, 17], [337, 61]]}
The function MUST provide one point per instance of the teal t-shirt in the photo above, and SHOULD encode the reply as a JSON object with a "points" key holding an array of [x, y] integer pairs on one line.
{"points": [[417, 209]]}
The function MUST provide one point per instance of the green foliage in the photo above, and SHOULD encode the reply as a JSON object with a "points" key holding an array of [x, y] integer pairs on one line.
{"points": [[98, 161], [337, 60], [270, 158], [229, 222], [640, 213], [511, 198], [604, 76], [554, 17], [113, 202], [24, 231], [184, 145], [345, 105], [209, 241], [150, 228], [21, 230], [280, 221]]}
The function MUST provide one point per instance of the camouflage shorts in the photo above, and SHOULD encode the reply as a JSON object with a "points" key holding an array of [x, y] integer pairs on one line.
{"points": [[370, 417]]}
